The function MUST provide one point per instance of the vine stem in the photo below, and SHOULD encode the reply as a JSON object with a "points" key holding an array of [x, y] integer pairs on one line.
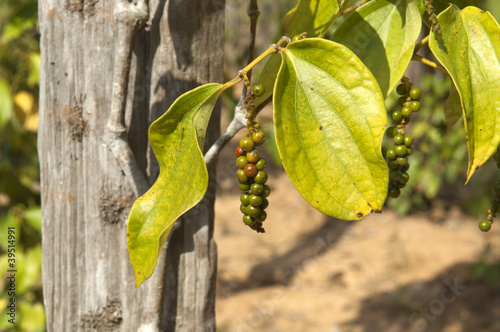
{"points": [[429, 63], [130, 19], [239, 121], [253, 13], [419, 45]]}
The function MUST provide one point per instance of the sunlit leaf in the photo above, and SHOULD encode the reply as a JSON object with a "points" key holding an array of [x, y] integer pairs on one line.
{"points": [[382, 34], [469, 49], [329, 117], [177, 140]]}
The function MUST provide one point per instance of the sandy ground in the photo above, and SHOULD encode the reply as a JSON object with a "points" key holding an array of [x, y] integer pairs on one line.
{"points": [[310, 272]]}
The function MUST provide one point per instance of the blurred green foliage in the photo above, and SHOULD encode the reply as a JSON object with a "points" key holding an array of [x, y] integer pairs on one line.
{"points": [[19, 170]]}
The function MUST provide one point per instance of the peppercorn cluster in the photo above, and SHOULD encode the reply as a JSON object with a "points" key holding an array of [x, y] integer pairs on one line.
{"points": [[252, 178], [397, 157], [485, 225], [429, 8]]}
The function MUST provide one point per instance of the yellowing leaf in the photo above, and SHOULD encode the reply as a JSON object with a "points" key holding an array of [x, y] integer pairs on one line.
{"points": [[177, 140], [382, 34], [469, 49], [329, 118]]}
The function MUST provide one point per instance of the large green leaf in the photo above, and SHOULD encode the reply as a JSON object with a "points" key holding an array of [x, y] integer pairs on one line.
{"points": [[382, 33], [177, 140], [312, 16], [329, 118], [469, 49], [452, 108]]}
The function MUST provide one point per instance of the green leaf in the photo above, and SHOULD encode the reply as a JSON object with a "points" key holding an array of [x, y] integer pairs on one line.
{"points": [[452, 108], [5, 102], [469, 49], [312, 16], [177, 140], [382, 34], [329, 118]]}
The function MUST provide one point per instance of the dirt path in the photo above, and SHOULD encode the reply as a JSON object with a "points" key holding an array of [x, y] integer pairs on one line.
{"points": [[309, 272]]}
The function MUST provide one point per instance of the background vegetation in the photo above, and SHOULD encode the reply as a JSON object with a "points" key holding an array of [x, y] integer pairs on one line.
{"points": [[437, 167]]}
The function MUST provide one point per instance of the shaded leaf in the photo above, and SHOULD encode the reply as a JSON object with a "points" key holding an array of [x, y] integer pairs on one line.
{"points": [[440, 5], [312, 16], [469, 49], [177, 140], [452, 108], [329, 118], [382, 34]]}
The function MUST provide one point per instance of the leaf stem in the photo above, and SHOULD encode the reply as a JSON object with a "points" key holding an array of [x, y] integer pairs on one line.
{"points": [[429, 63], [353, 7], [419, 45]]}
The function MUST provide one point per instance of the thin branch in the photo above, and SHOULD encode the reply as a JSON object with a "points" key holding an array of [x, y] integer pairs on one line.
{"points": [[429, 63], [239, 122], [421, 43], [253, 13], [130, 18]]}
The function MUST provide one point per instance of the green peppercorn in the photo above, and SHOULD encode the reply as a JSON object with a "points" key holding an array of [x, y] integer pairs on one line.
{"points": [[401, 160], [242, 178], [243, 208], [401, 150], [253, 211], [262, 216], [404, 167], [258, 90], [256, 189], [258, 137], [401, 89], [399, 139], [415, 94], [264, 204], [246, 144], [261, 177], [248, 220], [394, 192], [392, 164], [244, 199], [255, 200], [485, 225], [253, 156], [244, 186], [396, 116], [406, 111], [408, 141], [261, 164], [391, 132], [241, 162], [266, 190], [415, 106], [391, 154]]}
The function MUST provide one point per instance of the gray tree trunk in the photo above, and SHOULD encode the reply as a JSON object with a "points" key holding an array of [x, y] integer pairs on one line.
{"points": [[87, 276]]}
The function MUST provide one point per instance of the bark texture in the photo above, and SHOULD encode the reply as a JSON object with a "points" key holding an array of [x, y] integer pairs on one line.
{"points": [[87, 276]]}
